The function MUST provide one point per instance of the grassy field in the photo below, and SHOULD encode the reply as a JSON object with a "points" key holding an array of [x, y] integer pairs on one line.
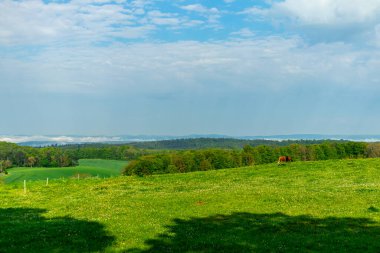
{"points": [[86, 168], [326, 206]]}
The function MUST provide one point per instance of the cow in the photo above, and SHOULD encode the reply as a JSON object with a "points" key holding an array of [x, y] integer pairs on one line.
{"points": [[284, 159]]}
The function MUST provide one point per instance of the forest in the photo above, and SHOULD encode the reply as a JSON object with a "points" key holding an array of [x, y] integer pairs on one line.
{"points": [[211, 159], [13, 155], [231, 143], [151, 161], [104, 151]]}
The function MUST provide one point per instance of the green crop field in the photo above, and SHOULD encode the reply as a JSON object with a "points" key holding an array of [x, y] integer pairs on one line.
{"points": [[86, 168], [325, 206]]}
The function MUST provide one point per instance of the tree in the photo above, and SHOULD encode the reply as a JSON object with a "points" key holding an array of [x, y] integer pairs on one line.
{"points": [[178, 162], [373, 150], [4, 165], [31, 161], [205, 165]]}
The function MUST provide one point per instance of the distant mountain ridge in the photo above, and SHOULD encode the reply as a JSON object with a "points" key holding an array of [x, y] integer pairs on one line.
{"points": [[47, 140]]}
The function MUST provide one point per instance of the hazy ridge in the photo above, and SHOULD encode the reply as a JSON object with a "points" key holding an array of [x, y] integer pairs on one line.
{"points": [[45, 140]]}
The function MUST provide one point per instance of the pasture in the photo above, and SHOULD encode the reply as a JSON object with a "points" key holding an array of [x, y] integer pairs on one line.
{"points": [[86, 168], [324, 206]]}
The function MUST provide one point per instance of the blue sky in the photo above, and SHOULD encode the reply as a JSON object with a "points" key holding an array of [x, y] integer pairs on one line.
{"points": [[235, 67]]}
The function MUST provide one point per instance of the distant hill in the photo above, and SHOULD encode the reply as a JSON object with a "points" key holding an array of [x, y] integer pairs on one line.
{"points": [[51, 140], [201, 143]]}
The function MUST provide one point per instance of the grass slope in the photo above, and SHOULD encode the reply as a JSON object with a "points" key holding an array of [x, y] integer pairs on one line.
{"points": [[86, 167], [325, 206]]}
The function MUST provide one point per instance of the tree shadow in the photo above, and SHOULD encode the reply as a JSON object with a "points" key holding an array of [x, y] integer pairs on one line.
{"points": [[276, 232], [25, 230]]}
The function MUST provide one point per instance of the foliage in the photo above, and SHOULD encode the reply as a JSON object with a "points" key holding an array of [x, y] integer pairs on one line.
{"points": [[64, 156], [4, 165], [373, 150], [226, 143], [19, 156], [186, 161], [209, 159], [104, 151]]}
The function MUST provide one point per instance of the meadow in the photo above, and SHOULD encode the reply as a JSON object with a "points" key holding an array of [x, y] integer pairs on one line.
{"points": [[86, 168], [319, 206]]}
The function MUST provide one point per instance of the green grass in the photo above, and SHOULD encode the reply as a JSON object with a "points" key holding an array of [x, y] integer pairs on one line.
{"points": [[86, 168], [326, 206]]}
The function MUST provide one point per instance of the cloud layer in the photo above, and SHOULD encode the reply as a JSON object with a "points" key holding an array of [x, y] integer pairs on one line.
{"points": [[60, 139], [180, 67], [36, 22], [248, 65]]}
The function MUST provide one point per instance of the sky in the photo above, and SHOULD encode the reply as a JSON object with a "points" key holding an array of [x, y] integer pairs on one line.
{"points": [[234, 67]]}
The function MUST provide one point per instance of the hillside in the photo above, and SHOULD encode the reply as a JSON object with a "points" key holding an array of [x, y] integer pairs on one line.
{"points": [[86, 168], [230, 143], [323, 206]]}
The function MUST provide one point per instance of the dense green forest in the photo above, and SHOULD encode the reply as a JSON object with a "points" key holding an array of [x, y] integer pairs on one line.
{"points": [[230, 143], [104, 151], [14, 155], [210, 159]]}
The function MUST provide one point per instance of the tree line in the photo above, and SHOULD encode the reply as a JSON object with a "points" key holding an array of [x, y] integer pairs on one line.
{"points": [[146, 162], [104, 151], [212, 159], [13, 155], [229, 143]]}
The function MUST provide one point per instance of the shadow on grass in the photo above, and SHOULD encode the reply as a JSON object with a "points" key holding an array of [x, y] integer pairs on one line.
{"points": [[276, 232], [25, 230]]}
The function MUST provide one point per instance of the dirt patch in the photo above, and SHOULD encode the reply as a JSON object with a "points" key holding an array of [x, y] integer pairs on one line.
{"points": [[200, 203]]}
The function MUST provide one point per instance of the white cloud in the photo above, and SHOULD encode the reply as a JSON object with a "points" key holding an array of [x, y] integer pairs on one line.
{"points": [[173, 20], [249, 63], [323, 20], [244, 32], [84, 21], [59, 139], [330, 11], [256, 12], [33, 22], [73, 49], [141, 3], [199, 8], [90, 21], [211, 14], [186, 67]]}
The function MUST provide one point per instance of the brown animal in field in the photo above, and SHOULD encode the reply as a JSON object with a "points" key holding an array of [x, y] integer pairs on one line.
{"points": [[284, 159]]}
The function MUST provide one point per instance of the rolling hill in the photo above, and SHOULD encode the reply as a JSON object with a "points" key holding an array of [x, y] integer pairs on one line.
{"points": [[323, 206], [86, 168]]}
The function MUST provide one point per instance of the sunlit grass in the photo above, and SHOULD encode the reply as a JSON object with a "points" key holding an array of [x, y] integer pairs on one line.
{"points": [[303, 206], [86, 168]]}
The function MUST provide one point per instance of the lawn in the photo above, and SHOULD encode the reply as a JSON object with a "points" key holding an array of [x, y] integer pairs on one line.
{"points": [[324, 206], [86, 168]]}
